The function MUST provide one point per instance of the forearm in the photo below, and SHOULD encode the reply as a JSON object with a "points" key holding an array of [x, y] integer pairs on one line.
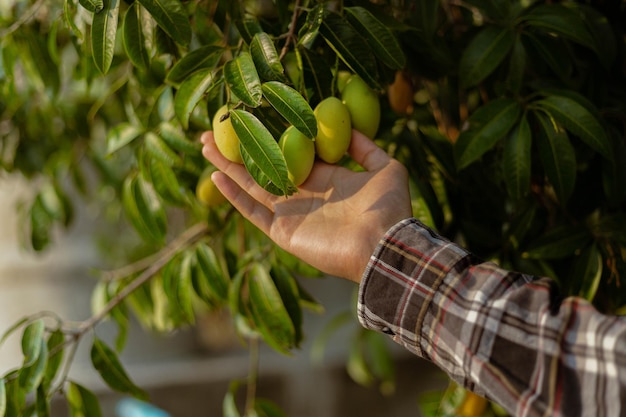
{"points": [[502, 334]]}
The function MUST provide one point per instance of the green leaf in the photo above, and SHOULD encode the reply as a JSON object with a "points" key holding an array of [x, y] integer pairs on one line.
{"points": [[156, 148], [559, 242], [614, 175], [204, 57], [552, 51], [94, 6], [176, 139], [587, 271], [31, 376], [267, 408], [516, 160], [107, 364], [487, 126], [292, 106], [42, 405], [212, 275], [382, 41], [578, 120], [557, 156], [560, 20], [82, 402], [143, 208], [351, 48], [190, 93], [269, 311], [229, 405], [262, 148], [55, 349], [31, 341], [266, 58], [134, 38], [171, 16], [248, 27], [243, 79], [103, 32], [310, 29], [165, 182], [317, 76], [258, 175], [184, 289], [517, 66], [121, 135], [289, 293], [484, 54]]}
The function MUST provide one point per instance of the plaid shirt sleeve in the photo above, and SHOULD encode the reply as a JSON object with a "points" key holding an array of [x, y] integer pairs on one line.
{"points": [[502, 334]]}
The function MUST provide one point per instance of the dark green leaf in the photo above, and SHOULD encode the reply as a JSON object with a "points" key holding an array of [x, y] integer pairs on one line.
{"points": [[614, 175], [317, 75], [121, 135], [557, 156], [292, 106], [190, 93], [552, 51], [184, 289], [243, 79], [82, 402], [561, 20], [516, 160], [134, 38], [487, 126], [40, 224], [290, 294], [144, 209], [171, 16], [42, 405], [310, 29], [485, 52], [351, 48], [266, 58], [15, 396], [103, 32], [578, 120], [382, 41], [31, 341], [559, 242], [269, 311], [587, 271], [248, 27], [107, 364], [94, 6], [262, 148], [205, 57], [517, 66], [165, 182], [31, 376], [266, 408], [55, 355]]}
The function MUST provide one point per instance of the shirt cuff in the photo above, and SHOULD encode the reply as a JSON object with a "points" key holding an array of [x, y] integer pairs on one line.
{"points": [[402, 278]]}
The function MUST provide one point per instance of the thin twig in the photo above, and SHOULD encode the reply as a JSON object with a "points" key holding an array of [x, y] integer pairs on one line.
{"points": [[292, 29], [188, 237]]}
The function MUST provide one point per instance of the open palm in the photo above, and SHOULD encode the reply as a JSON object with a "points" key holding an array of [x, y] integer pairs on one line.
{"points": [[338, 215]]}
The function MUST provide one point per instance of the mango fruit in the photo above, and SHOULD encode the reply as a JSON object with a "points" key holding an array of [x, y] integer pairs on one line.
{"points": [[226, 139], [206, 190], [334, 129], [299, 152], [363, 104]]}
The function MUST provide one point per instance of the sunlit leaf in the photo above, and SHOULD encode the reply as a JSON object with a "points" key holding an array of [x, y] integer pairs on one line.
{"points": [[204, 57], [484, 54], [557, 156], [309, 31], [121, 135], [171, 16], [82, 402], [380, 38], [292, 106], [266, 58], [190, 92], [351, 48], [517, 160], [31, 341], [107, 364], [103, 32], [269, 311], [134, 38], [262, 148], [243, 80], [488, 125], [31, 376], [578, 120]]}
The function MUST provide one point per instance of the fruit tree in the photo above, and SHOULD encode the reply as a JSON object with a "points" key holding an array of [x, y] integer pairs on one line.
{"points": [[510, 117]]}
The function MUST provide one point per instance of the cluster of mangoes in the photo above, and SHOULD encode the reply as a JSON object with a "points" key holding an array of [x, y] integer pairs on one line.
{"points": [[358, 108]]}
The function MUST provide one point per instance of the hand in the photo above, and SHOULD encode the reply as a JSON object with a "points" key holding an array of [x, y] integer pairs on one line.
{"points": [[337, 217]]}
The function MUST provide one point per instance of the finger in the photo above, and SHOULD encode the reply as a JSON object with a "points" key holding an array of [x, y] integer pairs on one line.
{"points": [[366, 153], [248, 206], [236, 172]]}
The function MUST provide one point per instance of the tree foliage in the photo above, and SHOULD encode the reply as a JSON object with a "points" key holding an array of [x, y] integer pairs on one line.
{"points": [[510, 117]]}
